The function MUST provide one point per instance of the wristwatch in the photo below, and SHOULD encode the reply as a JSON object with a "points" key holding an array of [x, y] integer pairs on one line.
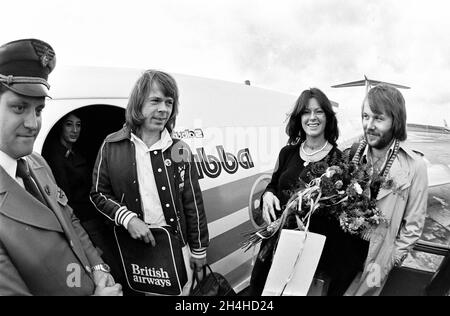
{"points": [[101, 267]]}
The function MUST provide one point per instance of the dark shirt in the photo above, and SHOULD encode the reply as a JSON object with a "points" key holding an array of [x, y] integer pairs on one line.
{"points": [[73, 175], [291, 174]]}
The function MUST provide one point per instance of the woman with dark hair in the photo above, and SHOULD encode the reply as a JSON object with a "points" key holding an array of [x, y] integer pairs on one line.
{"points": [[313, 132], [73, 172]]}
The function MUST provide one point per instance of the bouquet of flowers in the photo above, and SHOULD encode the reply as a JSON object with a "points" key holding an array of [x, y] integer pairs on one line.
{"points": [[345, 190]]}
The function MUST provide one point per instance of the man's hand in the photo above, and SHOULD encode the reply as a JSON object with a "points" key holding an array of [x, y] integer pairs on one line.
{"points": [[98, 275], [197, 264], [139, 230], [102, 289]]}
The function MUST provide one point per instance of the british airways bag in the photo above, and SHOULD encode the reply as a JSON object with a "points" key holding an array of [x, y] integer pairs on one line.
{"points": [[152, 270]]}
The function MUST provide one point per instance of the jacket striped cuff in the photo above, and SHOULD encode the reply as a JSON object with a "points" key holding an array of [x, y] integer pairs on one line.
{"points": [[123, 216], [198, 253]]}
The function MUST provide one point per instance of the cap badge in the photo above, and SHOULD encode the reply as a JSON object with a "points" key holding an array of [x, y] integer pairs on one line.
{"points": [[45, 60], [44, 52]]}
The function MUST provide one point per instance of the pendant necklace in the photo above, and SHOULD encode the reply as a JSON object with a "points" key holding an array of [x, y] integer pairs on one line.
{"points": [[307, 161]]}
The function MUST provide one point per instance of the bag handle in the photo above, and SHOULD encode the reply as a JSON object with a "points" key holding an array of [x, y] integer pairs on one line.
{"points": [[196, 279]]}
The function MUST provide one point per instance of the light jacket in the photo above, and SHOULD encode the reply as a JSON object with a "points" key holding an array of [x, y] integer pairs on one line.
{"points": [[115, 190], [43, 250], [404, 206]]}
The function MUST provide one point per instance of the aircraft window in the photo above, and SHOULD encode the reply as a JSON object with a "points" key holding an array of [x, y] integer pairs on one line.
{"points": [[258, 188]]}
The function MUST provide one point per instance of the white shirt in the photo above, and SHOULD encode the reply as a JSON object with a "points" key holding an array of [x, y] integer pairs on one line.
{"points": [[10, 166], [150, 202]]}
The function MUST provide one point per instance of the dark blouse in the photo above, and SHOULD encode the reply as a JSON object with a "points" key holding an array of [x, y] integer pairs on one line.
{"points": [[343, 254], [73, 175], [290, 174]]}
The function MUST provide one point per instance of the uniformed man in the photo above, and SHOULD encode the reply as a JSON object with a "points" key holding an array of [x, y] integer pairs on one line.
{"points": [[43, 248]]}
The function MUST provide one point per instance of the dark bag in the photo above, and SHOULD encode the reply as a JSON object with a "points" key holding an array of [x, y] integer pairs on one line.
{"points": [[152, 270], [212, 284]]}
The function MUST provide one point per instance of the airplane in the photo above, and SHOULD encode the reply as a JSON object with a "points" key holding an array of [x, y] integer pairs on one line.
{"points": [[368, 83], [234, 130]]}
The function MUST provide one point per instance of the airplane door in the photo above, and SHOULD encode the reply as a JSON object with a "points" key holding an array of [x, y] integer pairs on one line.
{"points": [[97, 121]]}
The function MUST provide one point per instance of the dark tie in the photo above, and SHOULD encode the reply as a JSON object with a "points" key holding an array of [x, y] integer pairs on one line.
{"points": [[23, 172]]}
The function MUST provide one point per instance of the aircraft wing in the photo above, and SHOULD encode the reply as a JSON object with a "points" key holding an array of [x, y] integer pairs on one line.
{"points": [[375, 82], [438, 175], [371, 82], [358, 83]]}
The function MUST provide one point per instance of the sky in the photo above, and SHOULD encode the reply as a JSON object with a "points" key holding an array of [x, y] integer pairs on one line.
{"points": [[283, 45]]}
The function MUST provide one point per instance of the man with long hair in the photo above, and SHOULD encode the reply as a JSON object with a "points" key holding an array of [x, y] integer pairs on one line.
{"points": [[404, 201], [140, 179]]}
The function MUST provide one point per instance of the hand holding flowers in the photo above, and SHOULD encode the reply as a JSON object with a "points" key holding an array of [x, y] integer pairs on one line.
{"points": [[345, 191]]}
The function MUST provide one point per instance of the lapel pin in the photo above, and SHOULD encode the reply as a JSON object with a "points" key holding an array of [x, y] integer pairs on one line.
{"points": [[168, 162]]}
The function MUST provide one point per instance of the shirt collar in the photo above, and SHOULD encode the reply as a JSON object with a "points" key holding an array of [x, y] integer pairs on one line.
{"points": [[162, 144], [9, 164], [388, 153]]}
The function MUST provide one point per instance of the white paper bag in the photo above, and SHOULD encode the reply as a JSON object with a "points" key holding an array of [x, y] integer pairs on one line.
{"points": [[294, 263]]}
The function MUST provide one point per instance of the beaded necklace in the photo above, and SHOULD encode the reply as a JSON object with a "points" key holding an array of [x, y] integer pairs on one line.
{"points": [[302, 147], [387, 167]]}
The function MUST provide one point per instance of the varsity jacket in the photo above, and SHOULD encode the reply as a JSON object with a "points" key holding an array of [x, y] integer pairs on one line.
{"points": [[115, 189]]}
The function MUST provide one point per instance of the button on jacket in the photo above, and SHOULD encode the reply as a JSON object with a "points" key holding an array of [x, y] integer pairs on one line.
{"points": [[115, 190]]}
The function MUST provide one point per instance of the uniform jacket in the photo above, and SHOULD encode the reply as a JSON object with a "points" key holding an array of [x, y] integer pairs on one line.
{"points": [[115, 190], [43, 250], [404, 205]]}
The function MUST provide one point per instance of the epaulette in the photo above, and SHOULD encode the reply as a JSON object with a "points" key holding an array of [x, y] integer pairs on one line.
{"points": [[418, 152]]}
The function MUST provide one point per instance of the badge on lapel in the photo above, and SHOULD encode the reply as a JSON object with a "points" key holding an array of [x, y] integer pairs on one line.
{"points": [[181, 172], [61, 197], [168, 162]]}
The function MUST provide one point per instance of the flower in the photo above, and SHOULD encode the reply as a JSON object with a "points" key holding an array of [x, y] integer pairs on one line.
{"points": [[330, 172], [388, 184], [318, 168], [341, 191], [358, 188]]}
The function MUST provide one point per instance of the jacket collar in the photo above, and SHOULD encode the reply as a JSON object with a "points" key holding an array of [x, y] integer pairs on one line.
{"points": [[125, 133], [162, 144], [18, 204], [403, 146], [9, 164], [120, 135]]}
